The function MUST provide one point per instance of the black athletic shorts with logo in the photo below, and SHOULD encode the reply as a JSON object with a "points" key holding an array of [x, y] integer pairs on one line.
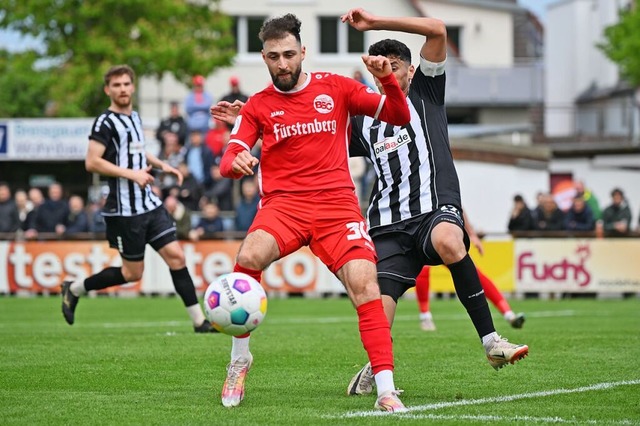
{"points": [[130, 234], [403, 248]]}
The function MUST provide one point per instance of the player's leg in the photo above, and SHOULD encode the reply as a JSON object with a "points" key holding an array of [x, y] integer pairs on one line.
{"points": [[161, 235], [495, 296], [359, 278], [422, 295], [124, 234], [443, 237]]}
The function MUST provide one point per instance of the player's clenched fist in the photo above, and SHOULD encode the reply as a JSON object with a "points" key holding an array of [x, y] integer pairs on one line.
{"points": [[244, 163], [379, 66]]}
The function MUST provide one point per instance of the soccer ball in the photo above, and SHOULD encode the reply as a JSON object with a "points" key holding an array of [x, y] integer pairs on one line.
{"points": [[235, 303]]}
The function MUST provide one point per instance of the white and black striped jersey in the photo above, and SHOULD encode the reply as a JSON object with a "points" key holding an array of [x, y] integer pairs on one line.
{"points": [[413, 163], [123, 138]]}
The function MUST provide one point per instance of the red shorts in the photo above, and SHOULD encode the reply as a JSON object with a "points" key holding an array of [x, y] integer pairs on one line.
{"points": [[329, 222]]}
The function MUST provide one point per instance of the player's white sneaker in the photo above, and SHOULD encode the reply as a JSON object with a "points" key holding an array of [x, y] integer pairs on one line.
{"points": [[233, 389], [390, 402], [427, 324], [363, 382], [501, 353]]}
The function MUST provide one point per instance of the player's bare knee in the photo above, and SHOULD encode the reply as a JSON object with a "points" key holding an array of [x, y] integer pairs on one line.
{"points": [[450, 248], [250, 259], [132, 274]]}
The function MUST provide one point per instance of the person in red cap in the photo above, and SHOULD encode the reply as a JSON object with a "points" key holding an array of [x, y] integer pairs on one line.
{"points": [[197, 106], [234, 94]]}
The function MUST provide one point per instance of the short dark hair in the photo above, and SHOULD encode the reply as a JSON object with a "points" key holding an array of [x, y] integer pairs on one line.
{"points": [[279, 27], [617, 191], [118, 70], [389, 47], [518, 198]]}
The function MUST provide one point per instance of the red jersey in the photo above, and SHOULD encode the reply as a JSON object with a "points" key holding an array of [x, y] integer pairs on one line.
{"points": [[305, 132]]}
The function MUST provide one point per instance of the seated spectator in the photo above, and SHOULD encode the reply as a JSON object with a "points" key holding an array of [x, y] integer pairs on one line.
{"points": [[199, 158], [23, 205], [589, 198], [96, 220], [173, 154], [579, 217], [248, 205], [550, 216], [220, 188], [175, 123], [180, 214], [521, 218], [190, 192], [51, 216], [36, 199], [210, 222], [77, 220], [9, 218], [616, 218], [217, 138], [235, 94]]}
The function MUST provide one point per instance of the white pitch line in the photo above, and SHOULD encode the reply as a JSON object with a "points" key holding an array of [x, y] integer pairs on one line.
{"points": [[506, 398], [512, 419]]}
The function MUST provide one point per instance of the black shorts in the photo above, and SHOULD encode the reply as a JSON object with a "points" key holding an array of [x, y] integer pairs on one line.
{"points": [[130, 234], [404, 248]]}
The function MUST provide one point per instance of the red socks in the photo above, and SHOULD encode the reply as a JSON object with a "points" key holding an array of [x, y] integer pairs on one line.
{"points": [[492, 293], [375, 334], [422, 289]]}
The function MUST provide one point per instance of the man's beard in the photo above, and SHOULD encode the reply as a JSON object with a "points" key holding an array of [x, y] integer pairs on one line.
{"points": [[121, 103], [285, 86]]}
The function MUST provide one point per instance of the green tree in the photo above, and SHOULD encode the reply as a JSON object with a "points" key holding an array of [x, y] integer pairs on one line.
{"points": [[23, 88], [622, 44], [81, 39]]}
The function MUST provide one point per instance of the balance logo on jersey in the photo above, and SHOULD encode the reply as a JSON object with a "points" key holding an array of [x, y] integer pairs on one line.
{"points": [[392, 143], [323, 104]]}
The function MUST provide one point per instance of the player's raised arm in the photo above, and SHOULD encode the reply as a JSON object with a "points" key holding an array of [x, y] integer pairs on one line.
{"points": [[393, 108], [434, 48]]}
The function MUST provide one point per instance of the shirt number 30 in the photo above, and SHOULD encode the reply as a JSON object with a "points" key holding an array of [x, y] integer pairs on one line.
{"points": [[357, 230]]}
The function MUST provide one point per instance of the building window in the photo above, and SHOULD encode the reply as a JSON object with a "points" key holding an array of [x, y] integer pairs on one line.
{"points": [[246, 29], [453, 38], [339, 38]]}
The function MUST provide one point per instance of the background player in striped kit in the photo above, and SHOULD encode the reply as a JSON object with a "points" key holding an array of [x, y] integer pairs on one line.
{"points": [[134, 215], [415, 214]]}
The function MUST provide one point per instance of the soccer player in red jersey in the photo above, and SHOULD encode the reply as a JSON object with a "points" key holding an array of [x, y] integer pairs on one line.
{"points": [[307, 192]]}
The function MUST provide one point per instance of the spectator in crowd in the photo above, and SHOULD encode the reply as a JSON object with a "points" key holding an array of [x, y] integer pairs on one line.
{"points": [[359, 77], [217, 137], [9, 217], [180, 214], [579, 217], [616, 218], [175, 123], [536, 212], [248, 205], [36, 199], [77, 221], [51, 216], [550, 217], [521, 218], [199, 158], [209, 223], [23, 205], [235, 94], [172, 154], [220, 189], [190, 192], [589, 199], [197, 106], [96, 220]]}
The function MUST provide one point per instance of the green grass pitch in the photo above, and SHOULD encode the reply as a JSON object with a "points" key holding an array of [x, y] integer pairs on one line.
{"points": [[137, 362]]}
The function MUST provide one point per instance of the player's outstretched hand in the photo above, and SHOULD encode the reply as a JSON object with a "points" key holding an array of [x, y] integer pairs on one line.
{"points": [[379, 66], [359, 19], [244, 163], [226, 111]]}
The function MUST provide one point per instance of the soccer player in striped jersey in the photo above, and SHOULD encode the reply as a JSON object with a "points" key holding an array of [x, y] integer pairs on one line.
{"points": [[415, 213], [134, 215], [307, 192]]}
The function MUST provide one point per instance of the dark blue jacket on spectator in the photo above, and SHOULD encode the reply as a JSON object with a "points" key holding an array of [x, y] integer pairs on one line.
{"points": [[77, 223], [579, 221], [211, 225], [50, 214], [245, 212]]}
